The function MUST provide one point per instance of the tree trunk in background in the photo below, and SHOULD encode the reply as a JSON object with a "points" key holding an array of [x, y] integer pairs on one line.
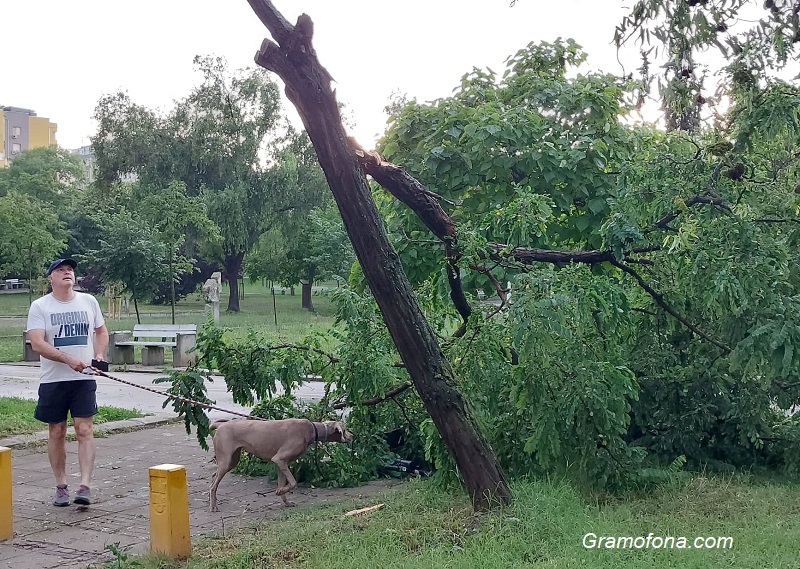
{"points": [[307, 284], [308, 86], [233, 266], [136, 305], [172, 284]]}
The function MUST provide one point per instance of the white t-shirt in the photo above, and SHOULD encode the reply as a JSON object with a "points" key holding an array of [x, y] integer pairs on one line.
{"points": [[69, 326]]}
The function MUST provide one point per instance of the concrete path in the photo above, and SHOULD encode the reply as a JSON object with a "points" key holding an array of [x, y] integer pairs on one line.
{"points": [[22, 380], [49, 537]]}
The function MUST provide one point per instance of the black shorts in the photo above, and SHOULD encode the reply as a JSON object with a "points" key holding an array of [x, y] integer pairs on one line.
{"points": [[57, 398]]}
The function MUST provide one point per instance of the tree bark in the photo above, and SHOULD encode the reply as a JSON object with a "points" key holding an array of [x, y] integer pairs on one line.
{"points": [[308, 88], [136, 305], [306, 301], [233, 266], [172, 284]]}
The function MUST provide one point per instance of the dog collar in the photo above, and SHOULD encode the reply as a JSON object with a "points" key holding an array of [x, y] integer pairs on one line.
{"points": [[316, 432]]}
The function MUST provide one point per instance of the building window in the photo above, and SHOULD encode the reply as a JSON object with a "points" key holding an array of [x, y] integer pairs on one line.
{"points": [[16, 148], [15, 131]]}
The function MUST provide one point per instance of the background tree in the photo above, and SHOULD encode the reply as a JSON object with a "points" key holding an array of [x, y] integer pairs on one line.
{"points": [[31, 235], [51, 175], [268, 256], [308, 239], [132, 140], [319, 250], [132, 254], [231, 118], [306, 184], [174, 215], [92, 204], [224, 141]]}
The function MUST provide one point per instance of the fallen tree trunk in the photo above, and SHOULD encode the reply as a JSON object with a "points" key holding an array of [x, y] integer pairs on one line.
{"points": [[308, 87]]}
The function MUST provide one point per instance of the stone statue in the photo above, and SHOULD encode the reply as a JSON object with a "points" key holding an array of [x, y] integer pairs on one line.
{"points": [[211, 291]]}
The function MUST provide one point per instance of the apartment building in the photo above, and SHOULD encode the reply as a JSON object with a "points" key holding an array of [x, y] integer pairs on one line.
{"points": [[87, 155], [20, 130]]}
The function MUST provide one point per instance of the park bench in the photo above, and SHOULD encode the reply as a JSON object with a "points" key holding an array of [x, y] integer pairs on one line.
{"points": [[153, 338]]}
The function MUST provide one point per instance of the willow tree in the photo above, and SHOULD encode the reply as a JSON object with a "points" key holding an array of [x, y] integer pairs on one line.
{"points": [[215, 141]]}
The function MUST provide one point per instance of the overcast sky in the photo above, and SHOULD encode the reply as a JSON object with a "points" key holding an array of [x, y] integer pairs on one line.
{"points": [[61, 56]]}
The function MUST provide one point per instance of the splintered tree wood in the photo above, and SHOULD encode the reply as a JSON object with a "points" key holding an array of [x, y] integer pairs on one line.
{"points": [[364, 510], [308, 86]]}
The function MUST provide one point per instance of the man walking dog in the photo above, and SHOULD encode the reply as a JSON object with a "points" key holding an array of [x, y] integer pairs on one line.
{"points": [[67, 330]]}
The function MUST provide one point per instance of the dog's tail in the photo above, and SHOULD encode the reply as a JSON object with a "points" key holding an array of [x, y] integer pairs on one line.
{"points": [[217, 423]]}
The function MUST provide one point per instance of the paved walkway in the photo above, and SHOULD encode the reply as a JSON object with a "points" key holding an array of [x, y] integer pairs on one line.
{"points": [[47, 537], [22, 380]]}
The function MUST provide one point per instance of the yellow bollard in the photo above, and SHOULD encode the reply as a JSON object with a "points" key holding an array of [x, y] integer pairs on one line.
{"points": [[6, 505], [169, 511]]}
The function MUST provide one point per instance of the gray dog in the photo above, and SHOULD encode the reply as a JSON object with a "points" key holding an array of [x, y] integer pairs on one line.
{"points": [[279, 441]]}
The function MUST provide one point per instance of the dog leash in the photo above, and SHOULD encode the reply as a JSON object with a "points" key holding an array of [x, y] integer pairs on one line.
{"points": [[178, 397]]}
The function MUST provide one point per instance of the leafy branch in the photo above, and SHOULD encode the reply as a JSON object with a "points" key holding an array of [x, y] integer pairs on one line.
{"points": [[398, 182]]}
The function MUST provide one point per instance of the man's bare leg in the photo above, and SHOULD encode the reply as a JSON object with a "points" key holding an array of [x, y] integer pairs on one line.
{"points": [[86, 448], [57, 450]]}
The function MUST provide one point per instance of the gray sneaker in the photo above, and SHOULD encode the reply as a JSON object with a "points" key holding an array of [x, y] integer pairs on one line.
{"points": [[62, 496], [83, 496]]}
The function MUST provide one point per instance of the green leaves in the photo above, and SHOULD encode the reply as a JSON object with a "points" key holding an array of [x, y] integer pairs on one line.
{"points": [[770, 344], [131, 254], [619, 235], [674, 35], [524, 219], [190, 385], [224, 143], [50, 175], [523, 160], [30, 235]]}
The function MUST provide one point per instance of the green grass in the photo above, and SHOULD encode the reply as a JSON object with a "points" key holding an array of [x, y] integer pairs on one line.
{"points": [[16, 416], [256, 312], [421, 527]]}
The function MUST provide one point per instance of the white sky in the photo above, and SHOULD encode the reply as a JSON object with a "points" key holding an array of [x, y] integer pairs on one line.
{"points": [[61, 56]]}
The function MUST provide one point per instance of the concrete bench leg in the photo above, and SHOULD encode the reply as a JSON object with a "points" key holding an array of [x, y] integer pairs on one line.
{"points": [[152, 355], [180, 352], [119, 355]]}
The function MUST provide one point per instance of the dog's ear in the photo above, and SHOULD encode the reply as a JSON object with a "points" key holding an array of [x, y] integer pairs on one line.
{"points": [[344, 435]]}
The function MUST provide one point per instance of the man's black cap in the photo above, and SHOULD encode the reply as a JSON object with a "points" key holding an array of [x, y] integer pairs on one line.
{"points": [[58, 262]]}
